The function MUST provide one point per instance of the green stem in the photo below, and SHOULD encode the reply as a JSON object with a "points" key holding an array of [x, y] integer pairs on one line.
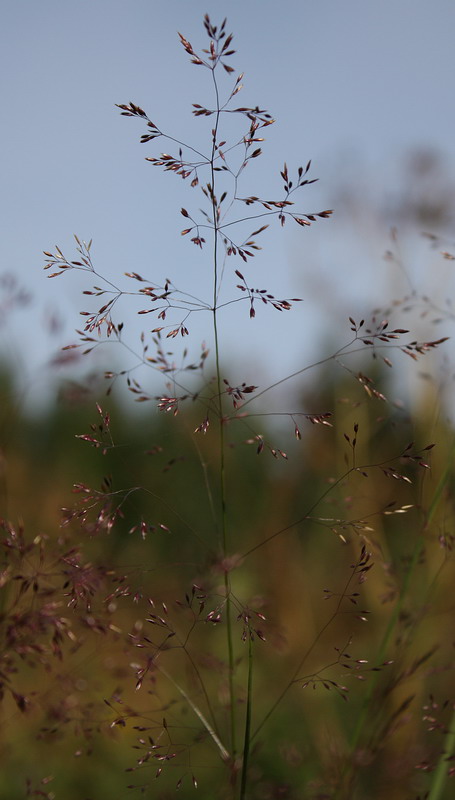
{"points": [[227, 587], [440, 774], [246, 744]]}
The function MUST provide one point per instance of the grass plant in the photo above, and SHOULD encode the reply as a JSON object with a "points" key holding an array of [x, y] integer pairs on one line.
{"points": [[249, 649]]}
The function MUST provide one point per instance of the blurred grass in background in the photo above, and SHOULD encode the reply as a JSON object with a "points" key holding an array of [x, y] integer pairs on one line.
{"points": [[64, 729]]}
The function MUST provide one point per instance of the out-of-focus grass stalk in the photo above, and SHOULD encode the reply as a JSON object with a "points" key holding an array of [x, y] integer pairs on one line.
{"points": [[246, 744], [223, 752], [441, 772], [439, 776]]}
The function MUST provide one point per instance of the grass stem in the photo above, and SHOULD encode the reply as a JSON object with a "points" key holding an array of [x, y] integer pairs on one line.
{"points": [[224, 543], [247, 739]]}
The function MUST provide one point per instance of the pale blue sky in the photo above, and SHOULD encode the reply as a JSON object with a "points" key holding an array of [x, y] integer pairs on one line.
{"points": [[354, 85]]}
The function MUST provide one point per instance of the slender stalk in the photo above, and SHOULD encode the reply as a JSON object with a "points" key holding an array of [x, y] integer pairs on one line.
{"points": [[304, 658], [202, 685], [246, 743], [223, 752], [230, 647], [440, 774], [227, 587]]}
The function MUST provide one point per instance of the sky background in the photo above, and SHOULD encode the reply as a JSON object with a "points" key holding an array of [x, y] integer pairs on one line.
{"points": [[359, 87]]}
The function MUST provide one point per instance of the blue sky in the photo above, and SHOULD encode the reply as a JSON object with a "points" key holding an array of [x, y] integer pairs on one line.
{"points": [[356, 86]]}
